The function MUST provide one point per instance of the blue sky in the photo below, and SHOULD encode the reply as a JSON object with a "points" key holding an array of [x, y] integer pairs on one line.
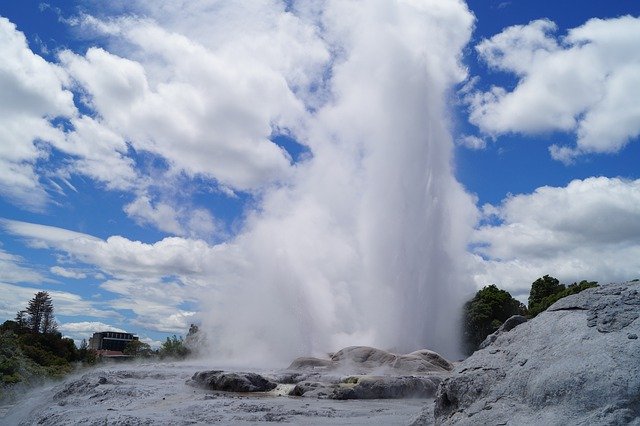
{"points": [[155, 156]]}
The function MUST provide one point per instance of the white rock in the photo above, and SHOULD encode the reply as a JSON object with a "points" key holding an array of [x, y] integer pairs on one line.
{"points": [[576, 363]]}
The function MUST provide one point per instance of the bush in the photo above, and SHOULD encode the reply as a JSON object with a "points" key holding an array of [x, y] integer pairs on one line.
{"points": [[137, 348], [485, 313], [547, 290], [11, 379], [174, 347]]}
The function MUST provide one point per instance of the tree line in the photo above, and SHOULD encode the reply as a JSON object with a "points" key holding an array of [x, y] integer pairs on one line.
{"points": [[32, 348], [491, 306]]}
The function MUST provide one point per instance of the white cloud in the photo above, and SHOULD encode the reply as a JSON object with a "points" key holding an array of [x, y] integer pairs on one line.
{"points": [[87, 327], [162, 215], [12, 270], [155, 344], [221, 104], [185, 220], [32, 93], [16, 297], [152, 280], [119, 256], [589, 229], [68, 273], [586, 83], [472, 142]]}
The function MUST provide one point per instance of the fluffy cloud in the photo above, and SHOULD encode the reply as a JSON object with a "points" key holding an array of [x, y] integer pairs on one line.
{"points": [[589, 229], [33, 93], [152, 280], [16, 298], [585, 83], [472, 142], [185, 220], [87, 328], [119, 256], [67, 273], [222, 104]]}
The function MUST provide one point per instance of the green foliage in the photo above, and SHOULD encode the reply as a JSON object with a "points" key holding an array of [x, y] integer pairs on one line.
{"points": [[173, 347], [38, 316], [541, 289], [30, 347], [548, 291], [484, 314], [9, 364], [137, 348]]}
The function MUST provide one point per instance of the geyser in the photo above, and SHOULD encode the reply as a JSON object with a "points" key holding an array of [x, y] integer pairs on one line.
{"points": [[363, 244]]}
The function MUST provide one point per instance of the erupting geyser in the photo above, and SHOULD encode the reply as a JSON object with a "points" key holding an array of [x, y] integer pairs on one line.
{"points": [[364, 242]]}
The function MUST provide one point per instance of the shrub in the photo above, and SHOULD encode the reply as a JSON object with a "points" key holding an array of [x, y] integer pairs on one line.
{"points": [[485, 313], [547, 290]]}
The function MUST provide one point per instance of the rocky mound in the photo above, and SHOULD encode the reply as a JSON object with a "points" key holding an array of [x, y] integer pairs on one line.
{"points": [[366, 360], [577, 363], [356, 372], [232, 382]]}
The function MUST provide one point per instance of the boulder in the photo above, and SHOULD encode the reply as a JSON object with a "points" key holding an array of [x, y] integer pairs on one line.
{"points": [[507, 326], [232, 381], [356, 372], [576, 363], [310, 363]]}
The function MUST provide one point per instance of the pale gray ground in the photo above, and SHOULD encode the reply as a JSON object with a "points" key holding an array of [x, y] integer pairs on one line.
{"points": [[150, 394], [578, 363]]}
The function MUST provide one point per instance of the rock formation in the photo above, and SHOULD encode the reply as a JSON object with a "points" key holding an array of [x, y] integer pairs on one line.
{"points": [[356, 372], [232, 382], [576, 363]]}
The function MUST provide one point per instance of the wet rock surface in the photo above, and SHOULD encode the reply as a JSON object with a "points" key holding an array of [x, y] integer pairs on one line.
{"points": [[356, 372], [158, 394], [232, 382], [572, 364], [508, 325], [363, 372], [367, 360]]}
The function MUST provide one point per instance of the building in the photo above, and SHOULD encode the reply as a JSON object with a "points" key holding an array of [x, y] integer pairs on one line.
{"points": [[110, 341]]}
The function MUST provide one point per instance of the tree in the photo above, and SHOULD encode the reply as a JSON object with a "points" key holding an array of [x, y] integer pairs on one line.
{"points": [[543, 287], [38, 316], [137, 348], [21, 319], [173, 347], [547, 290], [485, 313]]}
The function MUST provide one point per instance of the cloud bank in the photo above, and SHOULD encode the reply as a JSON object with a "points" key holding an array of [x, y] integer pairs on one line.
{"points": [[589, 229], [586, 83]]}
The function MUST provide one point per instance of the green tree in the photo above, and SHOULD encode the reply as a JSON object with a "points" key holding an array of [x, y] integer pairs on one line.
{"points": [[21, 319], [38, 316], [545, 296], [485, 313], [174, 347], [136, 348], [541, 288]]}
